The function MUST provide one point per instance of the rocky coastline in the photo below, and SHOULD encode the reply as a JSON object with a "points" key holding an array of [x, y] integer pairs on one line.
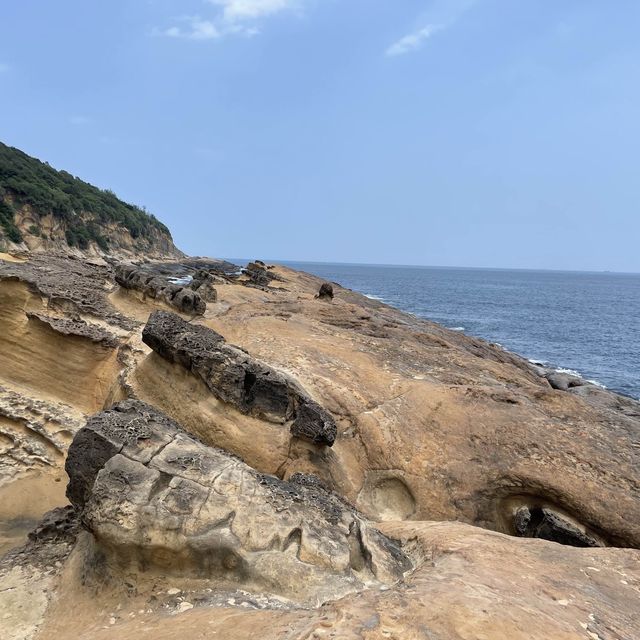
{"points": [[259, 453]]}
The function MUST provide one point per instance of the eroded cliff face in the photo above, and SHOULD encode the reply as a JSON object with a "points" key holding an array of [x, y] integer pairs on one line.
{"points": [[274, 449]]}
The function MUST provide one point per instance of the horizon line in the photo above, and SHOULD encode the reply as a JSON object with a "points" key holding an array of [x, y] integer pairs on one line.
{"points": [[433, 266]]}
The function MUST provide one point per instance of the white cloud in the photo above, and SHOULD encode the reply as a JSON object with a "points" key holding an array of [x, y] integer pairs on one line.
{"points": [[240, 10], [232, 17], [412, 41], [441, 14], [192, 28]]}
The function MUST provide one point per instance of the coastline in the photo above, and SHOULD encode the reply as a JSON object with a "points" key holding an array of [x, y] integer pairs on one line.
{"points": [[537, 333]]}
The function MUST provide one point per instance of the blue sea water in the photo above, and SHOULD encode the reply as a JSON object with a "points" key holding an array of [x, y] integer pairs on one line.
{"points": [[586, 322]]}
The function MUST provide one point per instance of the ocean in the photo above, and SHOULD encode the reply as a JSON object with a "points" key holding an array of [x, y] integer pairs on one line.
{"points": [[588, 323]]}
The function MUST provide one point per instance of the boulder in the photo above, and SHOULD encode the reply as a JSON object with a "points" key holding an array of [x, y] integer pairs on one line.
{"points": [[564, 381], [203, 283], [156, 499], [235, 377], [544, 523], [326, 291]]}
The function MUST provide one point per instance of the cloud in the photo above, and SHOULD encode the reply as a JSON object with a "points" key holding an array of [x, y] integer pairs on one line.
{"points": [[441, 14], [231, 17], [412, 41], [192, 28], [242, 10]]}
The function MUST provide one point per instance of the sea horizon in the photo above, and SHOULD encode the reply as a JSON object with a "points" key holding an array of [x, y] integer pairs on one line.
{"points": [[288, 262]]}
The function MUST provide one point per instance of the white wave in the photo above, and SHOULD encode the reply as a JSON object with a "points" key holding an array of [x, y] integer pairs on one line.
{"points": [[570, 372], [456, 328], [540, 363], [182, 281], [573, 372], [372, 297]]}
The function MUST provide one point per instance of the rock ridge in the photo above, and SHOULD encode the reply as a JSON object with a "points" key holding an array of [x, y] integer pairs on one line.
{"points": [[235, 377]]}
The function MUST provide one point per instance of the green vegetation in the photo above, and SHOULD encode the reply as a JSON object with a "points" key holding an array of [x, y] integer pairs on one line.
{"points": [[7, 222], [85, 209]]}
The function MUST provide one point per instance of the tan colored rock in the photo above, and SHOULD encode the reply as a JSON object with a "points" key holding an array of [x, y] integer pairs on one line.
{"points": [[156, 500], [471, 585], [431, 426]]}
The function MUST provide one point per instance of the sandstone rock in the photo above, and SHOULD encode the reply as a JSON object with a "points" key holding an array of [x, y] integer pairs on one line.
{"points": [[326, 291], [74, 326], [233, 376], [67, 285], [203, 283], [156, 499], [435, 425], [184, 299], [259, 275]]}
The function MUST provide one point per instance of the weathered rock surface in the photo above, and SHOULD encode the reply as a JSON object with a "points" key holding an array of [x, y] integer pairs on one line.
{"points": [[430, 425], [471, 585], [563, 381], [156, 499], [235, 377], [259, 275], [326, 291], [184, 299], [68, 284], [203, 282]]}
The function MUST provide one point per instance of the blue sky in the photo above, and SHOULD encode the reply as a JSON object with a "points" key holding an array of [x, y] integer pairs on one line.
{"points": [[499, 133]]}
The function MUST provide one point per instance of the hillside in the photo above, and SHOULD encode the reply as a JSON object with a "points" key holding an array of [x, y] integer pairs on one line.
{"points": [[42, 208]]}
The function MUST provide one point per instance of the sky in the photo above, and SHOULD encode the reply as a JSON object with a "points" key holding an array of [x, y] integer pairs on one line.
{"points": [[488, 133]]}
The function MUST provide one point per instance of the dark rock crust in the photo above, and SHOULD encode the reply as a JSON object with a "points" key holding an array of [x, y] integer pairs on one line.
{"points": [[237, 378], [185, 299], [326, 291], [543, 523]]}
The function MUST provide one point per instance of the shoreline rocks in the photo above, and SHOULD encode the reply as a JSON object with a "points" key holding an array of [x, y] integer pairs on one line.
{"points": [[183, 298], [235, 377], [156, 499]]}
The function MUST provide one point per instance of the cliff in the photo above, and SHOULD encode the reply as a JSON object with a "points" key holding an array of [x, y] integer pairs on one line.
{"points": [[266, 461], [42, 209]]}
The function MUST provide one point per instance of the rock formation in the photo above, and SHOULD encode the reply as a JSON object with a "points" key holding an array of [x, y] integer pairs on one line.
{"points": [[233, 376], [259, 275], [210, 501], [184, 299], [203, 282], [157, 500], [326, 291]]}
